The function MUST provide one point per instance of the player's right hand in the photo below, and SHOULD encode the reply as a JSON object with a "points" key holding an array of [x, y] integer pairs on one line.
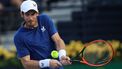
{"points": [[55, 63], [65, 60]]}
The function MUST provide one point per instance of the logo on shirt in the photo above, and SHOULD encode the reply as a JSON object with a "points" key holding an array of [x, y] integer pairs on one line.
{"points": [[43, 28]]}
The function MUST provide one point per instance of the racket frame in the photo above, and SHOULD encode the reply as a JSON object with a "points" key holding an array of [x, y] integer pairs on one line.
{"points": [[85, 62]]}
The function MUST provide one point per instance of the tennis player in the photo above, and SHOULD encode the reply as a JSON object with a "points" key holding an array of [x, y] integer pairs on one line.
{"points": [[36, 38]]}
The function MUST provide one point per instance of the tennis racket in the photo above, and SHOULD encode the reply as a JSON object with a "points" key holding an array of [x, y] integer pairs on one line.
{"points": [[95, 53]]}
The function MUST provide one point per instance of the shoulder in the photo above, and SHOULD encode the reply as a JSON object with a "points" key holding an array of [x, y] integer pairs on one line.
{"points": [[18, 35], [44, 19], [43, 16]]}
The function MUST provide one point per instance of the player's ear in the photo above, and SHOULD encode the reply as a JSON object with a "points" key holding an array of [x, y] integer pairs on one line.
{"points": [[21, 14], [37, 13]]}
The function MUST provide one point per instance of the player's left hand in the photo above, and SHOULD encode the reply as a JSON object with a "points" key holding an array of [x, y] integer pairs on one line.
{"points": [[65, 60]]}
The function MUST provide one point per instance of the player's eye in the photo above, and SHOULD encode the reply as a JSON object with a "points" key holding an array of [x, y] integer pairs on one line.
{"points": [[27, 14], [30, 13], [33, 13]]}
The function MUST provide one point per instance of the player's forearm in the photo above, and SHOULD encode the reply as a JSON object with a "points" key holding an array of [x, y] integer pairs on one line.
{"points": [[58, 41], [60, 44], [61, 48], [31, 64]]}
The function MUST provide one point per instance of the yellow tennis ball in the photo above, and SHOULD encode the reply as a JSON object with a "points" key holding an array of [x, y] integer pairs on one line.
{"points": [[54, 54]]}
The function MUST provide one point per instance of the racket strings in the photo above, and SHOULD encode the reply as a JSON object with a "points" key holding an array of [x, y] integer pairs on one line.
{"points": [[97, 53], [103, 59]]}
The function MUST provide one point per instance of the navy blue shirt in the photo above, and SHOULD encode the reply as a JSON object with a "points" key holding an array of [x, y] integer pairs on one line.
{"points": [[36, 42]]}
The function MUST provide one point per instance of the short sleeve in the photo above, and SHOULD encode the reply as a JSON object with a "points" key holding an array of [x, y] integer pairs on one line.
{"points": [[20, 47], [47, 21]]}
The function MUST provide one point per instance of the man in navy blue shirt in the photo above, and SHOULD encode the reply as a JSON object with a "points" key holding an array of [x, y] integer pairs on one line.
{"points": [[36, 38]]}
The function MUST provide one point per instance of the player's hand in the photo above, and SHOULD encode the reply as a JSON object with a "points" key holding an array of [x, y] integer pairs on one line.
{"points": [[55, 63], [65, 60]]}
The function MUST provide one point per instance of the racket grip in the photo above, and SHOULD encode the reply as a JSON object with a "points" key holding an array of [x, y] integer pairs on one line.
{"points": [[75, 61]]}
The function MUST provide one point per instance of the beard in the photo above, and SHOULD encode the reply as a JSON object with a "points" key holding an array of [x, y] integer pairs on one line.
{"points": [[31, 24]]}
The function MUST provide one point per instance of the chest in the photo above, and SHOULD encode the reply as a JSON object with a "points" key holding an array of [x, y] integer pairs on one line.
{"points": [[37, 36]]}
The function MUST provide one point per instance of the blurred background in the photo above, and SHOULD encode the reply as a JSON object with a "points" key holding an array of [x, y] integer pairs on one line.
{"points": [[78, 22]]}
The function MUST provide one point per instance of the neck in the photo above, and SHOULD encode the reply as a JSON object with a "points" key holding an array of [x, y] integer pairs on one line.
{"points": [[30, 26]]}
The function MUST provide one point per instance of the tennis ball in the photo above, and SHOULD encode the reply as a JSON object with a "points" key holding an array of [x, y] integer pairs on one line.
{"points": [[54, 54]]}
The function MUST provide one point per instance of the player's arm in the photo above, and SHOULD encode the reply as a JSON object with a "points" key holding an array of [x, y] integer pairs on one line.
{"points": [[58, 41], [34, 64], [60, 46], [29, 64]]}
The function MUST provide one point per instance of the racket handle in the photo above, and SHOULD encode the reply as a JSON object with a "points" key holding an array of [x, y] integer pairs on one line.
{"points": [[75, 60]]}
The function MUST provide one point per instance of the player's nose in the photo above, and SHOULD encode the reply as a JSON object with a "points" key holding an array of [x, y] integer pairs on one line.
{"points": [[30, 17]]}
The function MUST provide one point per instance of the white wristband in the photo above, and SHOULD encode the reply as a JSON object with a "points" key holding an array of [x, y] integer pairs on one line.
{"points": [[62, 52], [44, 63]]}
